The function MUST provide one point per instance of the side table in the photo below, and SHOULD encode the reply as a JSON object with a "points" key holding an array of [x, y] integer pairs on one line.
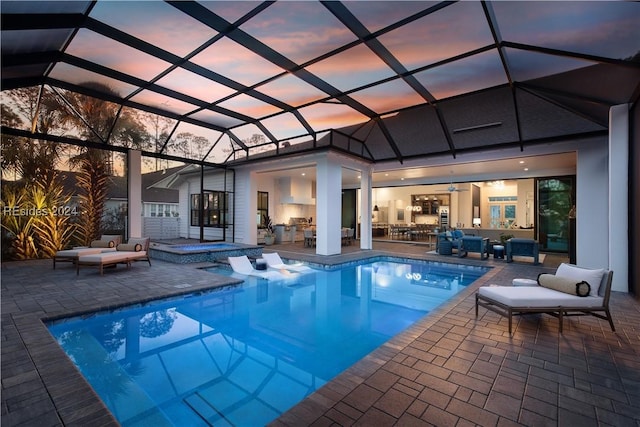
{"points": [[498, 252]]}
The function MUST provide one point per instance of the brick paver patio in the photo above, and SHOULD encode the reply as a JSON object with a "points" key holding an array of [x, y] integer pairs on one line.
{"points": [[447, 369]]}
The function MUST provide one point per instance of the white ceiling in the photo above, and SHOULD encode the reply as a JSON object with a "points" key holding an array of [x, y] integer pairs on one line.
{"points": [[512, 168]]}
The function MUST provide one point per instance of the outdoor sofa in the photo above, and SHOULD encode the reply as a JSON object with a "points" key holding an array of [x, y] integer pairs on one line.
{"points": [[136, 249], [508, 301], [106, 243]]}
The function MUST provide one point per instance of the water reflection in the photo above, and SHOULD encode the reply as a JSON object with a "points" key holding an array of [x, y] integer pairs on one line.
{"points": [[245, 354]]}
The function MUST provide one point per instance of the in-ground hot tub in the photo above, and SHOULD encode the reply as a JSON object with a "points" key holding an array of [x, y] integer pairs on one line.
{"points": [[202, 252]]}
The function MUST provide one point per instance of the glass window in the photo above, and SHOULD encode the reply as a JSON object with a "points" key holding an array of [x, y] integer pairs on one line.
{"points": [[554, 200], [214, 208], [263, 208]]}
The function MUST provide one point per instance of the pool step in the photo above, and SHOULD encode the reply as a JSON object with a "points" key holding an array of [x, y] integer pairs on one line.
{"points": [[205, 410]]}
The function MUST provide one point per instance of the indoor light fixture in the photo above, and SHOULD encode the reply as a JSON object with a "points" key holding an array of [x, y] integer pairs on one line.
{"points": [[476, 222]]}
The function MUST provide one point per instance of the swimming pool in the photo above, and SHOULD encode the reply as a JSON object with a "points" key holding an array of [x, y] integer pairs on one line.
{"points": [[242, 355]]}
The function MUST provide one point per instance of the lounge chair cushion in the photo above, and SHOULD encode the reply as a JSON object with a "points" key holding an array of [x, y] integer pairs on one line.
{"points": [[564, 284], [111, 257], [77, 252], [274, 261], [131, 247], [537, 296], [242, 265], [592, 276]]}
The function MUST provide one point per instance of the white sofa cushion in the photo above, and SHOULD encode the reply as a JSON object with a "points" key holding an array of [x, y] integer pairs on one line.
{"points": [[77, 252], [111, 257], [592, 276]]}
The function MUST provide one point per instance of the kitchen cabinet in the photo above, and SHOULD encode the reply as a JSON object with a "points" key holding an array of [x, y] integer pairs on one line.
{"points": [[427, 204]]}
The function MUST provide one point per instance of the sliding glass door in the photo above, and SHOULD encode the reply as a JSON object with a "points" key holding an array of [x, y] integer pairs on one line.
{"points": [[555, 198]]}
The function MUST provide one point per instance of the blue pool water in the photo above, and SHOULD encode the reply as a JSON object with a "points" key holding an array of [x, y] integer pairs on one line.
{"points": [[245, 354], [203, 246]]}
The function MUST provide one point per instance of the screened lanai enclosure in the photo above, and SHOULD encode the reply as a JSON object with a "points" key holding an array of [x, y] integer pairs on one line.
{"points": [[222, 83], [217, 81]]}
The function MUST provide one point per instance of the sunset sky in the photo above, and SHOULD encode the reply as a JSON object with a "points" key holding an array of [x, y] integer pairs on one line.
{"points": [[307, 34]]}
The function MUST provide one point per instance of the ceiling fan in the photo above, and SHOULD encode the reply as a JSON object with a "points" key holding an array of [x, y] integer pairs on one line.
{"points": [[451, 188]]}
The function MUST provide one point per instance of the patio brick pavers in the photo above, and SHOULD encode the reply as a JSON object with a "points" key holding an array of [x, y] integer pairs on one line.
{"points": [[447, 369]]}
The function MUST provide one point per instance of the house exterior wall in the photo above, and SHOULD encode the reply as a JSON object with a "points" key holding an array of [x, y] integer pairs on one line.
{"points": [[592, 190], [213, 181]]}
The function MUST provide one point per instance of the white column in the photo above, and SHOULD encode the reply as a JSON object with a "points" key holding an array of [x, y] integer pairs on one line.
{"points": [[246, 207], [618, 196], [328, 207], [366, 241], [134, 182]]}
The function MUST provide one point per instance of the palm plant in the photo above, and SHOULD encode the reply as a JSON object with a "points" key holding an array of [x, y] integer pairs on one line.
{"points": [[53, 228], [268, 226], [92, 179], [17, 223]]}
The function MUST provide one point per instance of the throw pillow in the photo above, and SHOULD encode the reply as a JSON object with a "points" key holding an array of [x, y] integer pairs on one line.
{"points": [[592, 276], [142, 241], [563, 284], [102, 244], [131, 247]]}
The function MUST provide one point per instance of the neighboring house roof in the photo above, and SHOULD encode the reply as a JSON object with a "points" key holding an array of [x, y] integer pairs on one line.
{"points": [[151, 193], [117, 189], [175, 177]]}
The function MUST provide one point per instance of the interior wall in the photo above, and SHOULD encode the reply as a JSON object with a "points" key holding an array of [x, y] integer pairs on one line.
{"points": [[392, 200]]}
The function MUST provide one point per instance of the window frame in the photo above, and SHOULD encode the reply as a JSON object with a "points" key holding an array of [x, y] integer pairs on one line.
{"points": [[215, 210], [262, 206]]}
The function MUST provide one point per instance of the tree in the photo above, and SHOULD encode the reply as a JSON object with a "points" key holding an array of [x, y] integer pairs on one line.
{"points": [[189, 145], [31, 158], [32, 222], [100, 122], [92, 180], [159, 126]]}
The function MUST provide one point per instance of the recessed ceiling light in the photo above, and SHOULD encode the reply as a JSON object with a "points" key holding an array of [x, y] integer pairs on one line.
{"points": [[386, 174], [401, 179], [521, 161], [303, 174], [526, 169]]}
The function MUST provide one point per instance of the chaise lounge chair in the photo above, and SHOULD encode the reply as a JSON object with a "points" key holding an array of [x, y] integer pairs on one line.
{"points": [[242, 265], [508, 301], [136, 249], [106, 243], [274, 261]]}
